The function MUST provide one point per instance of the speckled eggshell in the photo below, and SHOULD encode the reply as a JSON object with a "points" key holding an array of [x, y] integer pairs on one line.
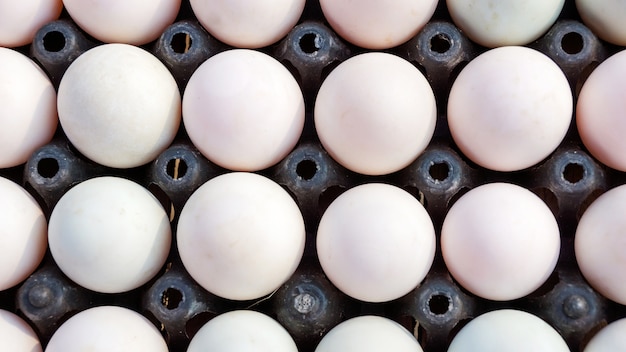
{"points": [[119, 105], [242, 331], [500, 241], [508, 330], [20, 20], [28, 107], [600, 244], [504, 22], [375, 113], [368, 334], [134, 22], [600, 112], [109, 234], [612, 338], [106, 329], [509, 108], [243, 110], [23, 234], [375, 24], [605, 18], [16, 335], [376, 242], [241, 236], [248, 23]]}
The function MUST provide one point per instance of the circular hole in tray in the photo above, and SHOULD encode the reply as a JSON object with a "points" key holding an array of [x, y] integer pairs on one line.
{"points": [[439, 304], [440, 43], [309, 43], [181, 42], [306, 169], [573, 173], [439, 171], [572, 43], [48, 167], [171, 298], [54, 41], [176, 168]]}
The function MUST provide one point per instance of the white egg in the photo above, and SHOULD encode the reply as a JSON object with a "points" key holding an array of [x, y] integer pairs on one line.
{"points": [[20, 20], [509, 108], [600, 244], [23, 234], [500, 241], [241, 236], [248, 23], [375, 113], [134, 22], [504, 22], [612, 338], [376, 242], [242, 331], [106, 329], [377, 24], [119, 105], [28, 109], [508, 330], [368, 334], [243, 110], [16, 335], [605, 18], [109, 234]]}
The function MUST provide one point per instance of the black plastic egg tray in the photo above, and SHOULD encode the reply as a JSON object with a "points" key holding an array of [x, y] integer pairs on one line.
{"points": [[308, 305]]}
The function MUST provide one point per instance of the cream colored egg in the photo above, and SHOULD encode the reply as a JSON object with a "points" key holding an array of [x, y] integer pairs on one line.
{"points": [[119, 105], [241, 236], [243, 110], [375, 113], [23, 234], [508, 330], [242, 331], [248, 23], [500, 241], [509, 108], [374, 24], [600, 244], [106, 329], [28, 109], [376, 242], [134, 22], [611, 338], [20, 20], [368, 334], [605, 18], [109, 234], [504, 22], [600, 112], [16, 335]]}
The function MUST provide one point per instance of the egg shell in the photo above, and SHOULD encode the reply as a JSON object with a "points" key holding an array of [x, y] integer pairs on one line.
{"points": [[611, 338], [375, 113], [240, 236], [500, 241], [134, 22], [119, 105], [16, 335], [504, 22], [109, 234], [368, 334], [248, 23], [23, 234], [28, 108], [20, 20], [243, 110], [105, 329], [509, 108], [374, 24], [242, 331], [508, 330], [605, 18], [376, 242]]}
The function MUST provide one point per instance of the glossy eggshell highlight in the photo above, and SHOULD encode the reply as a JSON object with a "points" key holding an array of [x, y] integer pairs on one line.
{"points": [[508, 330], [500, 241], [605, 18], [109, 234], [509, 108], [374, 24], [28, 108], [248, 23], [16, 335], [242, 331], [119, 105], [134, 22], [368, 334], [600, 244], [241, 236], [610, 338], [106, 329], [243, 110], [375, 113], [376, 242], [20, 20]]}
